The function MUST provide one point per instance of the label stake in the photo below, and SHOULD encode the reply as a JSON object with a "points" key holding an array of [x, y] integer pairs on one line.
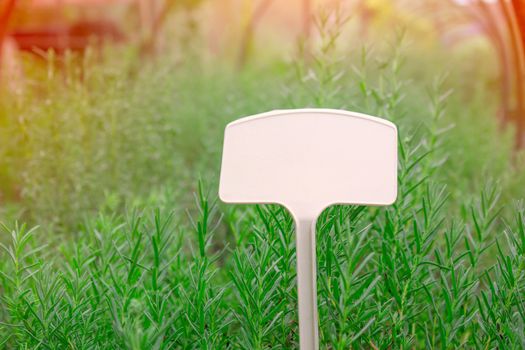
{"points": [[307, 160]]}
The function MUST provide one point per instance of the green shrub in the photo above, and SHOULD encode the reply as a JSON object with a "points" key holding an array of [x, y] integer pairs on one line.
{"points": [[105, 157]]}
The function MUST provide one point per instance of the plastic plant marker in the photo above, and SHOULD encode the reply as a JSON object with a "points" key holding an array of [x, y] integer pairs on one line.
{"points": [[307, 160]]}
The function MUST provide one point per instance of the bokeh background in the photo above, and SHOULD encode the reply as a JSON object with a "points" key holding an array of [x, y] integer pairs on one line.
{"points": [[100, 98]]}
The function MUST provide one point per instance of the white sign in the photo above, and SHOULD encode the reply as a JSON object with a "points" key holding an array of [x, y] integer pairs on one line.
{"points": [[307, 160]]}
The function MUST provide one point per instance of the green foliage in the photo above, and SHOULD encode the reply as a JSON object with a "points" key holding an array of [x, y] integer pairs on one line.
{"points": [[403, 277], [106, 163]]}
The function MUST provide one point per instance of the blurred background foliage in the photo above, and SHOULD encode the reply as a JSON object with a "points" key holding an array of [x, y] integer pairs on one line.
{"points": [[105, 102]]}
